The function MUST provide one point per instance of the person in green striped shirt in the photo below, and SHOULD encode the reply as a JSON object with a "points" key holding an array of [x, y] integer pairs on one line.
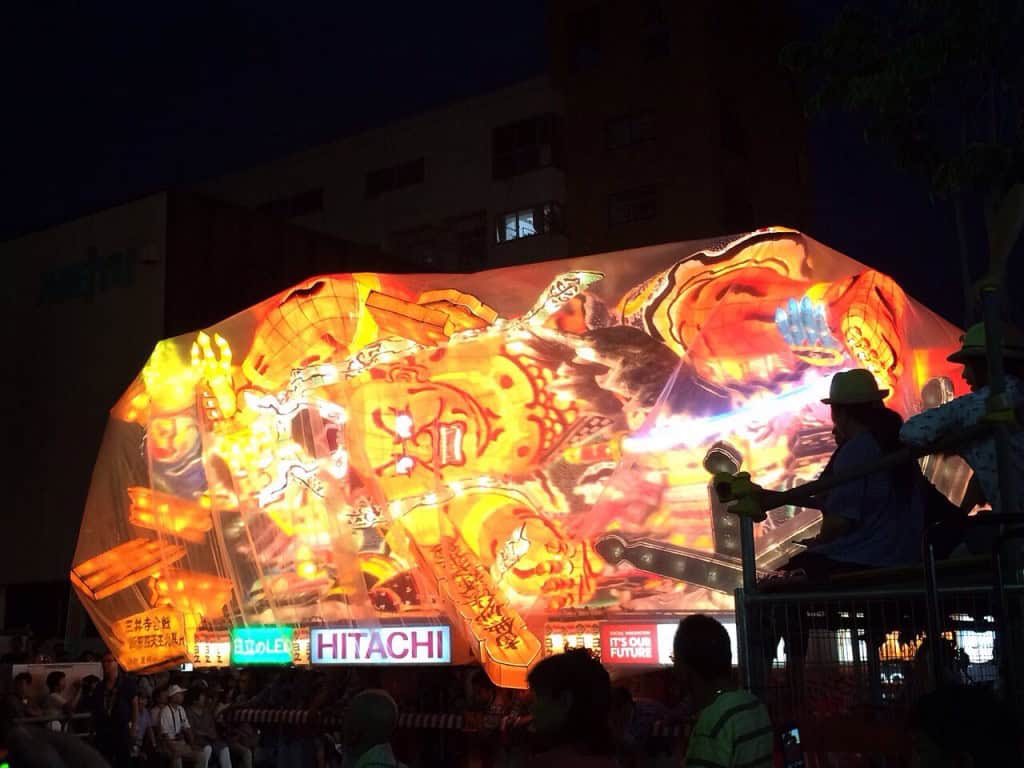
{"points": [[733, 729]]}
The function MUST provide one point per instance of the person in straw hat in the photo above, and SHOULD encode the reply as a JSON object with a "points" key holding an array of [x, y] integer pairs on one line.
{"points": [[970, 409], [872, 522], [876, 521]]}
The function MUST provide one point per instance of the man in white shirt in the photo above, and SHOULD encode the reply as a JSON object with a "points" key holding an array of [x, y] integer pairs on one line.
{"points": [[968, 410], [176, 734]]}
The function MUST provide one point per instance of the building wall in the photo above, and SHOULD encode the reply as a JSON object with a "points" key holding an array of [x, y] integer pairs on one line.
{"points": [[326, 188], [223, 258], [85, 304], [683, 99]]}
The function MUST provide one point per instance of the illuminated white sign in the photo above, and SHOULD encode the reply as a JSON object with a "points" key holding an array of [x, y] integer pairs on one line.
{"points": [[430, 644], [667, 635]]}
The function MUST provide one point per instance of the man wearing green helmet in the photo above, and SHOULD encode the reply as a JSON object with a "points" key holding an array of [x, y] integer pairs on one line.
{"points": [[970, 409]]}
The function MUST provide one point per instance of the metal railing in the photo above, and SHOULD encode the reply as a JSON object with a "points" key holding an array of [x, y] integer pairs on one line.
{"points": [[887, 641]]}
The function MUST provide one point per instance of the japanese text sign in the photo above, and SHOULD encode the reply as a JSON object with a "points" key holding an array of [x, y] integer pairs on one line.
{"points": [[261, 645]]}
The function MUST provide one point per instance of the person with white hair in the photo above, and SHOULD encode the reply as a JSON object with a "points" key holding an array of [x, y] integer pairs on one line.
{"points": [[371, 718]]}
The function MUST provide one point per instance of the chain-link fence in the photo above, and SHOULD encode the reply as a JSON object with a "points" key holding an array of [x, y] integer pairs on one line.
{"points": [[847, 666]]}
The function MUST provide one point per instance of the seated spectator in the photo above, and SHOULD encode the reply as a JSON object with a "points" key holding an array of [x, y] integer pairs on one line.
{"points": [[733, 728], [572, 697], [175, 733], [19, 703], [143, 729], [242, 738], [964, 727], [368, 726], [58, 702], [876, 521], [204, 729], [89, 683], [158, 703], [968, 410]]}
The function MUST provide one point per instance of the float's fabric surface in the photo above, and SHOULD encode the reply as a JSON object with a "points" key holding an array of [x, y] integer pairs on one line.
{"points": [[490, 450]]}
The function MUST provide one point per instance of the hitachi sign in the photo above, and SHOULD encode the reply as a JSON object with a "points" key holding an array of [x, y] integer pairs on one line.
{"points": [[382, 645]]}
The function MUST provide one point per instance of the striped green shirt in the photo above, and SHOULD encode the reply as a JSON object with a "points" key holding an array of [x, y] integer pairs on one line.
{"points": [[734, 731]]}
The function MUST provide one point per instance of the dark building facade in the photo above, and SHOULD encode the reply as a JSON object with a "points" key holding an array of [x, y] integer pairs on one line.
{"points": [[678, 122]]}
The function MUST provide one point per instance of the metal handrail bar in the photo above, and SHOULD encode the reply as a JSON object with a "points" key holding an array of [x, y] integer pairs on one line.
{"points": [[807, 491], [43, 719], [864, 594], [814, 488]]}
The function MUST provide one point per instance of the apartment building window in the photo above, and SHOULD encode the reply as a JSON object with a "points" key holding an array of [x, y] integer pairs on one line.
{"points": [[527, 145], [538, 220], [384, 180], [302, 204], [416, 245], [470, 235], [657, 36], [584, 29], [629, 129], [638, 204]]}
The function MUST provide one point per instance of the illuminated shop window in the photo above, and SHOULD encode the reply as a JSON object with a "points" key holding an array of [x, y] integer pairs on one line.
{"points": [[538, 220]]}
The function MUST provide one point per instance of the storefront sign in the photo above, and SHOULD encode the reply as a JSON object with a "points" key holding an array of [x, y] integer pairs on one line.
{"points": [[382, 645], [649, 644], [261, 645], [667, 636], [629, 643]]}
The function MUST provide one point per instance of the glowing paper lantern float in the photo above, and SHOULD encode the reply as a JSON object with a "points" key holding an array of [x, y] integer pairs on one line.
{"points": [[494, 452], [122, 566], [168, 514], [501, 639], [152, 638], [202, 594]]}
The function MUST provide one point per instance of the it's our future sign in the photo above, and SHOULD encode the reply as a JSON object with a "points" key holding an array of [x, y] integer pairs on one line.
{"points": [[422, 644]]}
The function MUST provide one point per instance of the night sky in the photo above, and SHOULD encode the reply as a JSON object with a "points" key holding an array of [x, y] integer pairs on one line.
{"points": [[110, 101]]}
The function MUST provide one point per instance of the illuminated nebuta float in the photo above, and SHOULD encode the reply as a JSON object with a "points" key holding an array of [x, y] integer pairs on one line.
{"points": [[492, 451]]}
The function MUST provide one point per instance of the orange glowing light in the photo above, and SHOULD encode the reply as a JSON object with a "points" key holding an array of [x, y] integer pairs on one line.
{"points": [[151, 640], [190, 592], [122, 566], [394, 444], [168, 514]]}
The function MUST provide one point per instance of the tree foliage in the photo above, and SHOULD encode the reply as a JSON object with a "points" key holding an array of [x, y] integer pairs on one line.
{"points": [[939, 82]]}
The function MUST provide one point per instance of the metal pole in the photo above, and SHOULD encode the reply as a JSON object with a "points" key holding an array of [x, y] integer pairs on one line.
{"points": [[748, 555], [998, 400], [933, 610], [1006, 631], [743, 639]]}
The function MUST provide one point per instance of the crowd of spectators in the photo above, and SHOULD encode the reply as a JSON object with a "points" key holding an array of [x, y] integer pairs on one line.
{"points": [[572, 715]]}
